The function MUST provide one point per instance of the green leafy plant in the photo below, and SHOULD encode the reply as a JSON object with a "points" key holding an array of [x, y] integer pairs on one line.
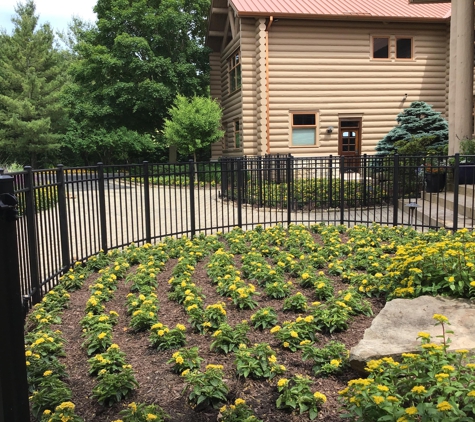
{"points": [[206, 388], [279, 289], [228, 339], [296, 395], [98, 339], [295, 334], [259, 361], [328, 360], [112, 387], [237, 412], [141, 412], [433, 385], [113, 360], [185, 358], [162, 338], [51, 392], [214, 315], [295, 303], [62, 412], [264, 318]]}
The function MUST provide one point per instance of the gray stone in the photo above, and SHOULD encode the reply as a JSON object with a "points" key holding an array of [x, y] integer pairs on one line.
{"points": [[394, 330]]}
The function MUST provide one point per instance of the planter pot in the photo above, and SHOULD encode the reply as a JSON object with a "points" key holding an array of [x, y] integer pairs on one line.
{"points": [[435, 182], [467, 174]]}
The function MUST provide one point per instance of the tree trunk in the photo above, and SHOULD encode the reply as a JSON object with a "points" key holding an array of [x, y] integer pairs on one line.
{"points": [[172, 153]]}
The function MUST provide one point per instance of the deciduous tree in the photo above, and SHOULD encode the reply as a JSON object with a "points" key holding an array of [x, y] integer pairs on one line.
{"points": [[194, 123]]}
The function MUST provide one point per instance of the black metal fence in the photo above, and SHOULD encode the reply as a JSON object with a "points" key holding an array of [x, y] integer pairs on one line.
{"points": [[69, 214]]}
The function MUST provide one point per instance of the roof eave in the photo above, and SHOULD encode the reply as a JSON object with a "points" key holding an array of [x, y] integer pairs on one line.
{"points": [[354, 17]]}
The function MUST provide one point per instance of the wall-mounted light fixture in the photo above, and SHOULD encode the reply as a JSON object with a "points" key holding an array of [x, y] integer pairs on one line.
{"points": [[404, 98], [330, 129]]}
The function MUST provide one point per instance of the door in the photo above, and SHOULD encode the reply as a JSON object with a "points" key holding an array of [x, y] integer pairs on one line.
{"points": [[349, 141]]}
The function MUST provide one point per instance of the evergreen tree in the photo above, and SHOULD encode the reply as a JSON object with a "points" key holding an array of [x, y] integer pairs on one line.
{"points": [[32, 73], [418, 124]]}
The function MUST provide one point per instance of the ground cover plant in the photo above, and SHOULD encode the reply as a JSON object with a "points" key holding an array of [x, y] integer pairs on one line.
{"points": [[187, 330]]}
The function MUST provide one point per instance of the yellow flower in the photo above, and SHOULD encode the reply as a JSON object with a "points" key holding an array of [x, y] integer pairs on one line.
{"points": [[335, 362], [133, 407], [239, 401], [282, 382], [392, 399], [47, 412], [275, 329], [47, 373], [382, 388], [440, 377], [181, 327], [448, 368], [440, 318], [223, 409], [423, 334], [471, 393], [285, 344], [272, 359], [419, 389], [411, 410], [101, 335], [378, 399], [151, 417], [185, 372], [294, 334], [444, 406], [320, 397]]}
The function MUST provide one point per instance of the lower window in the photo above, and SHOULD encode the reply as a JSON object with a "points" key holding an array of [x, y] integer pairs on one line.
{"points": [[304, 129]]}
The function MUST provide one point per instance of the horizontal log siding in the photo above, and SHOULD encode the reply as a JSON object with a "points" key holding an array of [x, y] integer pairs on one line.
{"points": [[249, 101], [326, 66], [231, 102], [215, 91]]}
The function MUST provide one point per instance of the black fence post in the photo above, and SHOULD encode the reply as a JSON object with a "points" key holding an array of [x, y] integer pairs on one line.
{"points": [[240, 186], [342, 189], [330, 181], [14, 404], [102, 206], [30, 209], [146, 198], [365, 180], [456, 191], [396, 190], [288, 162], [191, 175], [63, 218]]}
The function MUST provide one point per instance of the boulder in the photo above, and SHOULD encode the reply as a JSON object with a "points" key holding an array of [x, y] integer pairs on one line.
{"points": [[394, 330]]}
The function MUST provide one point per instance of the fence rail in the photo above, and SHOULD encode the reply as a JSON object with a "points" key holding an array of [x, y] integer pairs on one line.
{"points": [[69, 214]]}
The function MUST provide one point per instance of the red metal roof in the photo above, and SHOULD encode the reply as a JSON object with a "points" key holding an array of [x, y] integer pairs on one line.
{"points": [[394, 9]]}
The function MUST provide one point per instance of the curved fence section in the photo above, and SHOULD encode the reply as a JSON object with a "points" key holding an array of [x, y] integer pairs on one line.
{"points": [[68, 214]]}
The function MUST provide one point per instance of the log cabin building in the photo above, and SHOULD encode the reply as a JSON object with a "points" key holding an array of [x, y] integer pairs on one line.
{"points": [[321, 77]]}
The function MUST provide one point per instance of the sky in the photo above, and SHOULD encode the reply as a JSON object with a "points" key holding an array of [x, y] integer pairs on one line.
{"points": [[57, 12]]}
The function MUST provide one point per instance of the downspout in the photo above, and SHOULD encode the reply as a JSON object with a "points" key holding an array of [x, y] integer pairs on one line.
{"points": [[269, 24]]}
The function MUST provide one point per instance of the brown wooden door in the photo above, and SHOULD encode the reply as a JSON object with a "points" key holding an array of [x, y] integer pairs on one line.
{"points": [[349, 141]]}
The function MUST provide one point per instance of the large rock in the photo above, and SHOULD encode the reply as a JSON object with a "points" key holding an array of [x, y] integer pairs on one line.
{"points": [[394, 330]]}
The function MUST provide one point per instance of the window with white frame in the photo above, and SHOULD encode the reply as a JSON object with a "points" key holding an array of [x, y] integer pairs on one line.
{"points": [[304, 128]]}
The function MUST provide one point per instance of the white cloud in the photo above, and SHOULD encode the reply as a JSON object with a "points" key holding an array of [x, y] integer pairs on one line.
{"points": [[57, 12]]}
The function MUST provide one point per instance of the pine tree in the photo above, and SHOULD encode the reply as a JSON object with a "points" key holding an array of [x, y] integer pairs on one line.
{"points": [[420, 124], [32, 73]]}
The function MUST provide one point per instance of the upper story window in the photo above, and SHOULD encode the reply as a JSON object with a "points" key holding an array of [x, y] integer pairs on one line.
{"points": [[390, 47], [234, 70], [380, 47], [304, 129], [404, 48]]}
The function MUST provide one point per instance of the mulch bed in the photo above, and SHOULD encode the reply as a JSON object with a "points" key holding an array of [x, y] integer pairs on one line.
{"points": [[159, 385]]}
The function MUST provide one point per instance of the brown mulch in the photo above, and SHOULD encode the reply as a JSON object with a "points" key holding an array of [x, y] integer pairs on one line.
{"points": [[159, 385]]}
